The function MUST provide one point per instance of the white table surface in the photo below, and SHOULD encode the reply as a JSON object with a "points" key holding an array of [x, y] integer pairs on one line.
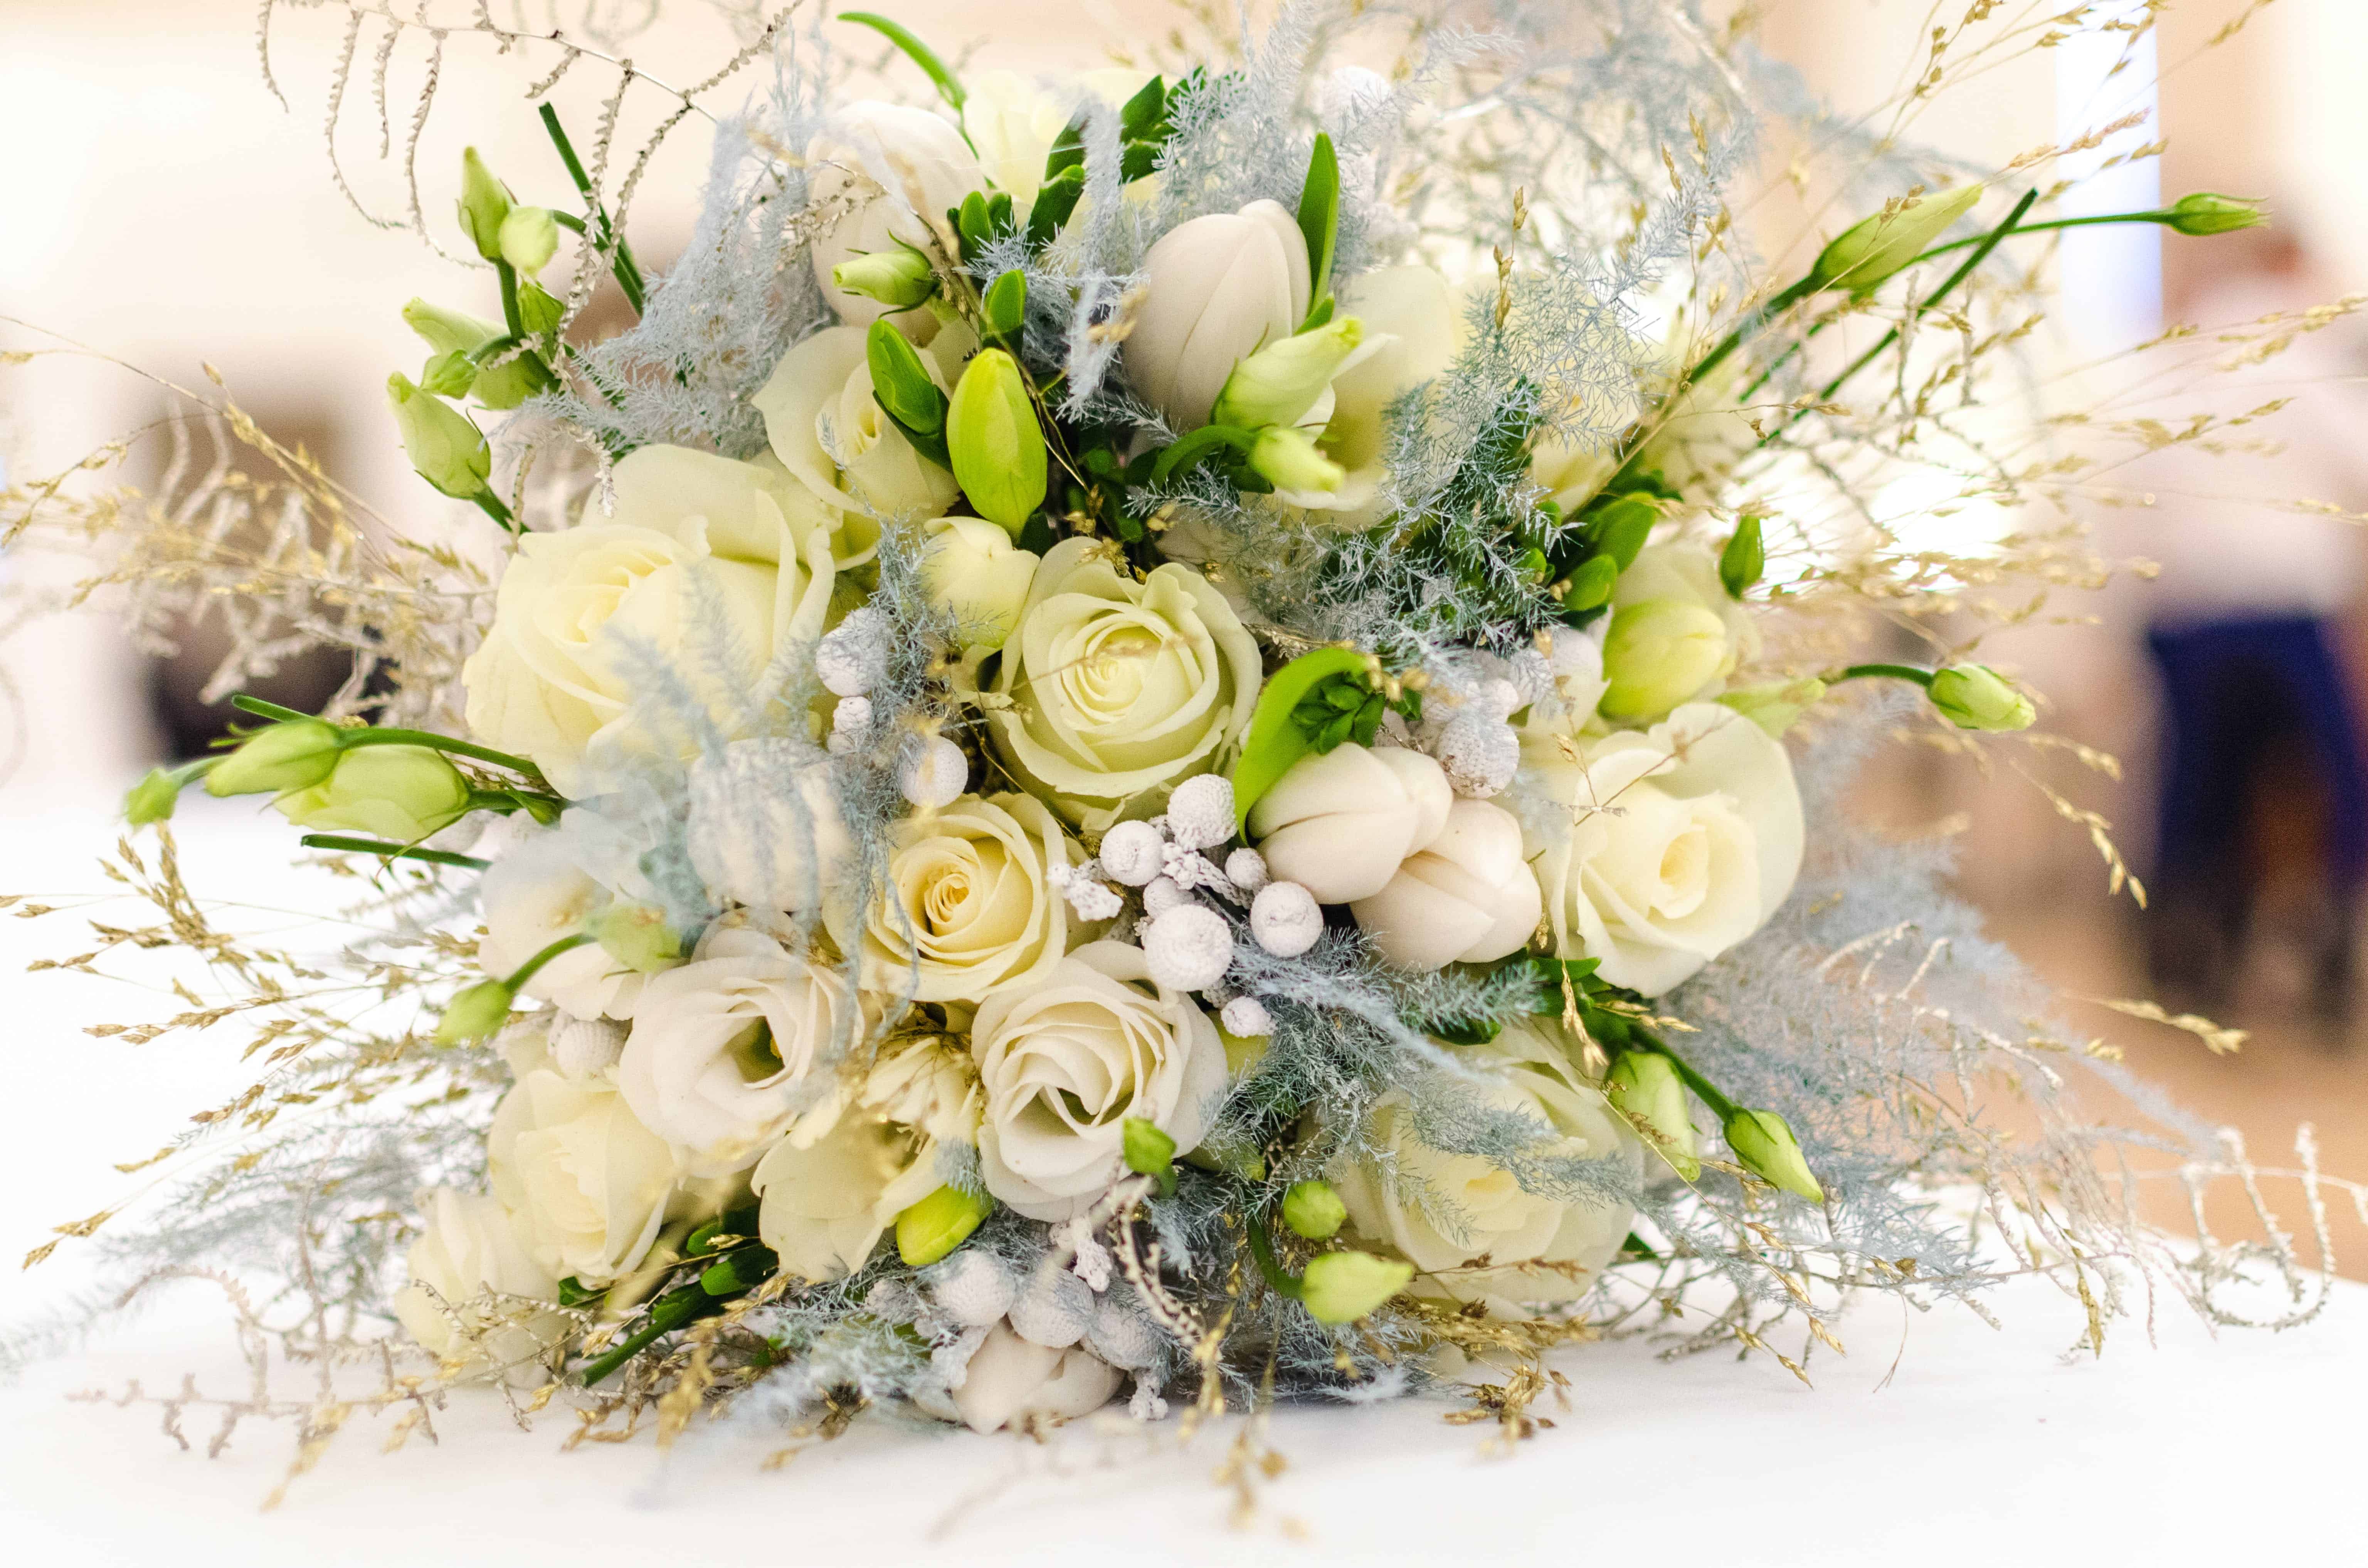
{"points": [[1986, 1447]]}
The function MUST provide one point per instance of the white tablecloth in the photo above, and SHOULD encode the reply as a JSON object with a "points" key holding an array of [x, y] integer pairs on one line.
{"points": [[1986, 1447]]}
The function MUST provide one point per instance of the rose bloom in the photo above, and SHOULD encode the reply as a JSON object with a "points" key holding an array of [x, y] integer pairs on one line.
{"points": [[590, 1185], [1067, 1060], [471, 1248], [1442, 1210], [1111, 691], [706, 560], [1664, 848], [835, 439], [967, 909], [764, 828]]}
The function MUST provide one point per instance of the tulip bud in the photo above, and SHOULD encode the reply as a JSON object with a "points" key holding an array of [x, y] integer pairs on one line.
{"points": [[1776, 707], [2208, 212], [976, 575], [1287, 458], [637, 936], [1764, 1145], [1974, 697], [449, 452], [996, 444], [529, 238], [1658, 653], [899, 278], [938, 1223], [1871, 250], [475, 1012], [447, 332], [399, 794], [1312, 1210], [1341, 1286], [153, 799], [1644, 1085], [1283, 380], [294, 756], [485, 203]]}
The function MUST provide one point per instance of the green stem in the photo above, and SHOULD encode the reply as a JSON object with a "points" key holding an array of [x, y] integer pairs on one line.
{"points": [[1704, 1090], [1262, 1253], [604, 233], [510, 317], [394, 737], [391, 851], [262, 709], [666, 1314], [528, 970], [2164, 215], [496, 508], [1916, 673], [1734, 340]]}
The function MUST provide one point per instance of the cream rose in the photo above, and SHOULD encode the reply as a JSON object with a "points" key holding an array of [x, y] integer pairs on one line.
{"points": [[1111, 691], [554, 884], [707, 563], [1466, 897], [724, 1049], [473, 1248], [1441, 1211], [1339, 824], [765, 829], [589, 1183], [834, 438], [975, 574], [886, 174], [1215, 289], [1066, 1061], [967, 909], [1671, 844]]}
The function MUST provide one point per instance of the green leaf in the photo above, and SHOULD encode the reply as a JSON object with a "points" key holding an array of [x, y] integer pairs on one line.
{"points": [[1319, 215], [1320, 314], [1591, 584], [1620, 529], [921, 54], [1144, 113], [1056, 199], [1275, 739], [1745, 557]]}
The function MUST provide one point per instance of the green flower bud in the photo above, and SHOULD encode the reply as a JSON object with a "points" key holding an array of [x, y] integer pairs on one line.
{"points": [[901, 381], [1621, 528], [1591, 583], [1283, 380], [398, 793], [1658, 653], [153, 799], [529, 238], [2209, 212], [448, 375], [1743, 560], [899, 278], [1148, 1151], [517, 377], [1287, 458], [1871, 250], [1644, 1085], [997, 446], [1341, 1286], [638, 937], [294, 756], [449, 452], [1004, 307], [475, 1012], [938, 1223], [1764, 1145], [447, 332], [1776, 707], [1974, 697], [484, 202], [1312, 1210]]}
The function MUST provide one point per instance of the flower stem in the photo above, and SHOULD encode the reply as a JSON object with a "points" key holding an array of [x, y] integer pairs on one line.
{"points": [[668, 1313], [533, 966], [342, 842], [2163, 216], [1262, 1253], [510, 317], [1916, 673], [604, 233], [1704, 1090], [496, 508], [397, 737]]}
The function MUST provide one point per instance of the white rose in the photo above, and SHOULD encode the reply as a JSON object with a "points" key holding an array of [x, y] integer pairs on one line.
{"points": [[1341, 823], [1013, 122], [888, 173], [1674, 635], [835, 439], [588, 1181], [967, 908], [708, 564], [471, 1248], [1066, 1061], [1012, 1381], [764, 828], [1412, 331], [974, 573], [1440, 1211], [1110, 692], [550, 885], [1672, 844], [830, 1192], [1466, 897], [723, 1049], [1215, 289]]}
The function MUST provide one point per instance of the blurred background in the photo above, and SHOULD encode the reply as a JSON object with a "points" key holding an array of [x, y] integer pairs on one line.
{"points": [[160, 205]]}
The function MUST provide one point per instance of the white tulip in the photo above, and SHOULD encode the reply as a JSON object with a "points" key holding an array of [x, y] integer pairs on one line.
{"points": [[544, 889], [1010, 1381], [589, 1183], [1216, 289], [1467, 897], [1339, 824], [470, 1248], [1667, 847], [765, 829], [889, 173], [975, 574], [835, 439]]}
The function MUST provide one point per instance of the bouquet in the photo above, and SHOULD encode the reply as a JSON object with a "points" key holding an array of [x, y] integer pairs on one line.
{"points": [[1171, 736]]}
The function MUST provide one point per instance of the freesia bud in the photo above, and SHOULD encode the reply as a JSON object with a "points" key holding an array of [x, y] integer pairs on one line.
{"points": [[637, 936], [997, 446], [1283, 380], [1287, 458], [449, 452], [1764, 1145], [1213, 289], [1871, 250], [398, 793], [529, 238], [2209, 212], [898, 277], [474, 1014], [938, 1223], [1658, 653], [1341, 1286], [1312, 1210], [1644, 1085], [447, 332], [1149, 1151], [485, 203], [153, 799], [294, 756], [1974, 697], [976, 575]]}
